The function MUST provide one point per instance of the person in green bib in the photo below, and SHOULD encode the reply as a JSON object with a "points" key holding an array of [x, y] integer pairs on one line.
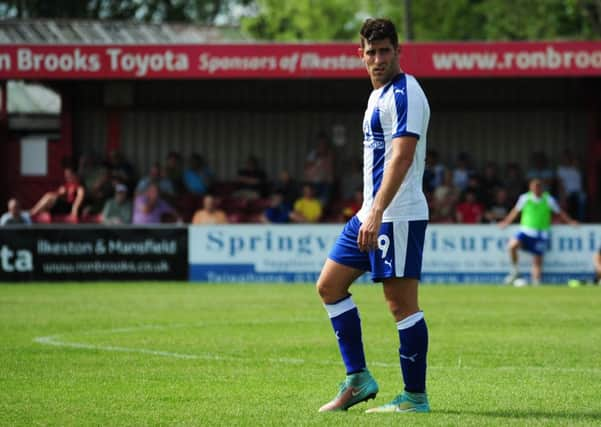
{"points": [[537, 208]]}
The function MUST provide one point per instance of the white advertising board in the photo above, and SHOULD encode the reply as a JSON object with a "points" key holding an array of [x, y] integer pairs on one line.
{"points": [[452, 253]]}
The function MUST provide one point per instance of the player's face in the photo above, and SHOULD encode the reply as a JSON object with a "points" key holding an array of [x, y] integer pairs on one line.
{"points": [[381, 59]]}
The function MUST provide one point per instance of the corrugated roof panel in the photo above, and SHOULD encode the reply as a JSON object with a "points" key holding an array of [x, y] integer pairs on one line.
{"points": [[41, 31]]}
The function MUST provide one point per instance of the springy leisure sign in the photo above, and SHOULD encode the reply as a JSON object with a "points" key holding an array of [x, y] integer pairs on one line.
{"points": [[452, 253], [266, 60], [93, 253]]}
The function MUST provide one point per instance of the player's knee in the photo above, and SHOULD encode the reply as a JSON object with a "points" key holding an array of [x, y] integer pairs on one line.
{"points": [[328, 292], [322, 289]]}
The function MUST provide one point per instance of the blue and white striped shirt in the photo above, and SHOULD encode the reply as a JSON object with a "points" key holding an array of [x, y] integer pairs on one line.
{"points": [[400, 108]]}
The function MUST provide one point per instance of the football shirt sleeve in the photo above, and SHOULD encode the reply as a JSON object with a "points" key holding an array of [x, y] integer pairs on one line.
{"points": [[409, 111], [553, 204], [521, 202]]}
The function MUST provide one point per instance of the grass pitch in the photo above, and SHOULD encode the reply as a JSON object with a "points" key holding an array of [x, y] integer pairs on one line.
{"points": [[181, 354]]}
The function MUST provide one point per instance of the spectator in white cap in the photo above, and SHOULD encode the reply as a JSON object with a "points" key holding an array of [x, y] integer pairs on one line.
{"points": [[118, 210]]}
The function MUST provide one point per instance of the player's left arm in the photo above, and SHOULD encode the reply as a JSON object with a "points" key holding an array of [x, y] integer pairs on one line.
{"points": [[403, 151]]}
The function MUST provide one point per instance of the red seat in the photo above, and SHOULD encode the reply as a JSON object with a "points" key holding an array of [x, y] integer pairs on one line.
{"points": [[42, 218], [64, 219]]}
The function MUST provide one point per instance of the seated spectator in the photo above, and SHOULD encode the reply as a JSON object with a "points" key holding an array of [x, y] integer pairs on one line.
{"points": [[121, 170], [66, 200], [499, 208], [15, 216], [209, 214], [319, 168], [154, 177], [308, 208], [100, 189], [539, 169], [571, 193], [434, 172], [514, 182], [352, 179], [489, 183], [444, 198], [462, 172], [251, 180], [88, 170], [278, 211], [149, 208], [352, 206], [287, 187], [470, 211], [198, 177], [117, 210], [174, 172]]}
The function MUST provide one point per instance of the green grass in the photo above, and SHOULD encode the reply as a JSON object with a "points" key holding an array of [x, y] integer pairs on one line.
{"points": [[266, 355]]}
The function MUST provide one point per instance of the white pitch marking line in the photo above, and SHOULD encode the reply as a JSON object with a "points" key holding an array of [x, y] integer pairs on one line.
{"points": [[54, 340]]}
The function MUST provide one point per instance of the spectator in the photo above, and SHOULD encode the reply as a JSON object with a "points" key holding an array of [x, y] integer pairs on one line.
{"points": [[434, 172], [539, 169], [278, 212], [474, 185], [489, 183], [88, 170], [209, 214], [251, 180], [308, 208], [149, 208], [121, 170], [198, 177], [319, 168], [353, 179], [499, 208], [66, 200], [174, 172], [288, 187], [15, 216], [514, 182], [154, 177], [462, 172], [444, 200], [117, 210], [100, 189], [352, 206], [571, 194], [470, 211]]}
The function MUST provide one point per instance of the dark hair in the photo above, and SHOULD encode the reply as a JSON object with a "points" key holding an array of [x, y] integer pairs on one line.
{"points": [[378, 29]]}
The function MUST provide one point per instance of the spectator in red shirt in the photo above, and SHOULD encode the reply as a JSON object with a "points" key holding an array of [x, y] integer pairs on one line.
{"points": [[66, 200], [470, 211]]}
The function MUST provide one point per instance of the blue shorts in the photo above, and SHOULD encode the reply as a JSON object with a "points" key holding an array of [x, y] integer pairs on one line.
{"points": [[535, 245], [399, 253]]}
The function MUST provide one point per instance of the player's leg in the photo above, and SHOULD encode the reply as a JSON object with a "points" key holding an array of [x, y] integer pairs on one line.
{"points": [[345, 264], [513, 246], [402, 299], [44, 204], [397, 262], [537, 269]]}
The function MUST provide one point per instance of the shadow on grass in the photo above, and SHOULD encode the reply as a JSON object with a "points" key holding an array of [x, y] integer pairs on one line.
{"points": [[524, 414]]}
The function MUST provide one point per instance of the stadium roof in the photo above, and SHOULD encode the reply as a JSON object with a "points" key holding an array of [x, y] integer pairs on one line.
{"points": [[92, 32]]}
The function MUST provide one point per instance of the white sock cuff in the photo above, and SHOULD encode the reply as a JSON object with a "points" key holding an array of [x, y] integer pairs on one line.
{"points": [[409, 321], [335, 310]]}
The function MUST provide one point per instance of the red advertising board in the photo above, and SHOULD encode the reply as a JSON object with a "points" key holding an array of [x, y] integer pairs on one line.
{"points": [[335, 60]]}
